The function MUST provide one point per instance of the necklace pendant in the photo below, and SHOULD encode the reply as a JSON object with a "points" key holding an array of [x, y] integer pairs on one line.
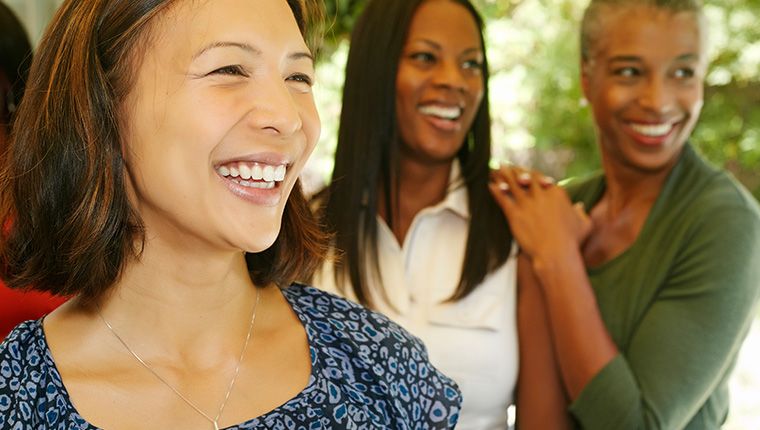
{"points": [[216, 425]]}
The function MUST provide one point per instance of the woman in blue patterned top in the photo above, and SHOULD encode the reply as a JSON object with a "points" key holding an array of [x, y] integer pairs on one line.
{"points": [[154, 175]]}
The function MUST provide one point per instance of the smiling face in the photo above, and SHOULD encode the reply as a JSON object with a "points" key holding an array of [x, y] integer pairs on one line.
{"points": [[219, 123], [644, 80], [439, 85]]}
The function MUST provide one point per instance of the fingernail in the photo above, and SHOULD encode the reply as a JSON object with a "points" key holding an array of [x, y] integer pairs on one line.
{"points": [[547, 180], [524, 177], [503, 186]]}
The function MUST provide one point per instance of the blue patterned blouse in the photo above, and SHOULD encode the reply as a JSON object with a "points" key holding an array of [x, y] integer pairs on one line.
{"points": [[366, 373]]}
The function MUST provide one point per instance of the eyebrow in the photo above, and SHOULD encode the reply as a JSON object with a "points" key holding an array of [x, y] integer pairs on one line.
{"points": [[636, 59], [295, 56], [438, 46]]}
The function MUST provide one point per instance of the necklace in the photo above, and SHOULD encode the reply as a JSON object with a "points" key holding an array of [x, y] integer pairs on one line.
{"points": [[215, 420]]}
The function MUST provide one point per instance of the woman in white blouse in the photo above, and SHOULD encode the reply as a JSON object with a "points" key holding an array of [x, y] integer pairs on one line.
{"points": [[417, 233]]}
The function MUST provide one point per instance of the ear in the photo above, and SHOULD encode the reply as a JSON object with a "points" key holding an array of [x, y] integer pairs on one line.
{"points": [[585, 70]]}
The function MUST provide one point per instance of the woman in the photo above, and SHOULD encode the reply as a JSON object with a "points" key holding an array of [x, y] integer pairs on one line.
{"points": [[154, 176], [634, 316], [418, 234], [15, 56]]}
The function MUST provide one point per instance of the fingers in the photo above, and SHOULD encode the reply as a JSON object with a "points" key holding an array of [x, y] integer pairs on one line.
{"points": [[518, 181]]}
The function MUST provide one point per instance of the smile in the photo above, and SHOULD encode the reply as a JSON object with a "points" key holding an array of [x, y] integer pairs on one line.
{"points": [[652, 130], [253, 175], [451, 113]]}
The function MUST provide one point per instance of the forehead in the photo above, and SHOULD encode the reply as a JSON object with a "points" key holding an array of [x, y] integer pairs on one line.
{"points": [[444, 20], [188, 24], [647, 31]]}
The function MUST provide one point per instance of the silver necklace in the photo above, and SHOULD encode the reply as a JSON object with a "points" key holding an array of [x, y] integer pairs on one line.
{"points": [[215, 420]]}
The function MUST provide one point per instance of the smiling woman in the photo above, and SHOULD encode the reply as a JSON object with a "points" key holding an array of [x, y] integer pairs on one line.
{"points": [[154, 176]]}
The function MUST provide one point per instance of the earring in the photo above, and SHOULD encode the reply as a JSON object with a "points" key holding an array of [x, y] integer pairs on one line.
{"points": [[10, 102]]}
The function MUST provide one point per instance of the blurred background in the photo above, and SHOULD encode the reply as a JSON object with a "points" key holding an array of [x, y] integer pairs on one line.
{"points": [[540, 118]]}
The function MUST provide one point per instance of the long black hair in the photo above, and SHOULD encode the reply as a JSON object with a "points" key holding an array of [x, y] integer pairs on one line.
{"points": [[367, 156]]}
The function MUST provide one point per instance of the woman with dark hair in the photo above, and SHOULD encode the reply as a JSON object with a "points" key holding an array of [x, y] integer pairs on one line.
{"points": [[15, 57], [154, 176], [416, 232], [632, 317]]}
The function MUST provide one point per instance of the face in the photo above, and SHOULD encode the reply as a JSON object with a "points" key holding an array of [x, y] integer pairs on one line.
{"points": [[219, 123], [644, 80], [439, 85]]}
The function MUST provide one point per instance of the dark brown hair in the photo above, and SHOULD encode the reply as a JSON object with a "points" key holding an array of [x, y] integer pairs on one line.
{"points": [[69, 226], [367, 155], [592, 16]]}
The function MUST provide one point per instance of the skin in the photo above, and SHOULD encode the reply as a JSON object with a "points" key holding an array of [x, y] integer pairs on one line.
{"points": [[441, 65], [647, 68], [227, 81]]}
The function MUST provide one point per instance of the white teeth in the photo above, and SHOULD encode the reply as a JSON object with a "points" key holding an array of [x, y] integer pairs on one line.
{"points": [[256, 172], [255, 184], [445, 112], [652, 130], [245, 171], [268, 173]]}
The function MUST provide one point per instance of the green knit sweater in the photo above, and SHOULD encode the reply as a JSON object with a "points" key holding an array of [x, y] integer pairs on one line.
{"points": [[678, 303]]}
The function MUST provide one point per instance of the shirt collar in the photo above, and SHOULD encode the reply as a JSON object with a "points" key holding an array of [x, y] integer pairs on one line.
{"points": [[456, 199]]}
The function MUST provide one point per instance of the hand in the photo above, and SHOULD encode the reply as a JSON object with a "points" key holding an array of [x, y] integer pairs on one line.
{"points": [[540, 214]]}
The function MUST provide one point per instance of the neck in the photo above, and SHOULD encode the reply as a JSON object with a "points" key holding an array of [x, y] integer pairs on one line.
{"points": [[420, 186], [630, 187], [183, 302]]}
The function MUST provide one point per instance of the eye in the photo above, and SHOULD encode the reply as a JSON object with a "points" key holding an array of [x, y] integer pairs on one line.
{"points": [[423, 57], [301, 77], [627, 72], [472, 65], [231, 70], [684, 73]]}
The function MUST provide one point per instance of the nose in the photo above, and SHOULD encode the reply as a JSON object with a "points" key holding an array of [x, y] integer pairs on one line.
{"points": [[274, 110], [657, 96], [448, 74]]}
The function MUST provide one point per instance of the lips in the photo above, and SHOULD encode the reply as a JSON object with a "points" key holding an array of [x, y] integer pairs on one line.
{"points": [[444, 117], [650, 134]]}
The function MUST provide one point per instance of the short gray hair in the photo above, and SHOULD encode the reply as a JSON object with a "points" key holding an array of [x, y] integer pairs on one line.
{"points": [[592, 15]]}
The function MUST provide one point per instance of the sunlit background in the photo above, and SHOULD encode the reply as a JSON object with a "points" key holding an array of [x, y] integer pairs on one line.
{"points": [[540, 118]]}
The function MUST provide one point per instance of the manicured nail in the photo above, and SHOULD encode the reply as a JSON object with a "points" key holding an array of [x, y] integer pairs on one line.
{"points": [[524, 177], [547, 180], [503, 186]]}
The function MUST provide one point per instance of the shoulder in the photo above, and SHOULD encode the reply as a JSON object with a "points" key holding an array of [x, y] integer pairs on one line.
{"points": [[373, 361], [26, 386], [585, 188]]}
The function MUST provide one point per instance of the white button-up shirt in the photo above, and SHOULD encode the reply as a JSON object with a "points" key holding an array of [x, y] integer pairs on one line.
{"points": [[473, 340]]}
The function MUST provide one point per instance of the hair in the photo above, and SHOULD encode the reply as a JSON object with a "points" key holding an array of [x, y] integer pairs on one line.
{"points": [[367, 155], [15, 57], [69, 226], [592, 16]]}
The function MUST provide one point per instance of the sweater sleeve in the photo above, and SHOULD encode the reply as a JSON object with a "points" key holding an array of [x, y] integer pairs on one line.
{"points": [[688, 340]]}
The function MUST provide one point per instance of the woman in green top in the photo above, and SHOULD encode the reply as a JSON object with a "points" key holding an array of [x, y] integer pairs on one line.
{"points": [[632, 316]]}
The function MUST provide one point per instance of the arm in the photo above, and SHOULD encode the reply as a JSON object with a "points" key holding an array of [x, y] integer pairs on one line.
{"points": [[550, 231], [684, 344], [541, 400]]}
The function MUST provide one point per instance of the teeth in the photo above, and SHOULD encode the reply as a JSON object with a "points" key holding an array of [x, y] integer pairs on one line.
{"points": [[245, 171], [255, 184], [652, 130], [254, 174], [268, 173], [445, 112]]}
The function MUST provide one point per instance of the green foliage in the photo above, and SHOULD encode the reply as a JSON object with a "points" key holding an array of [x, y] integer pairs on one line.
{"points": [[539, 115]]}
